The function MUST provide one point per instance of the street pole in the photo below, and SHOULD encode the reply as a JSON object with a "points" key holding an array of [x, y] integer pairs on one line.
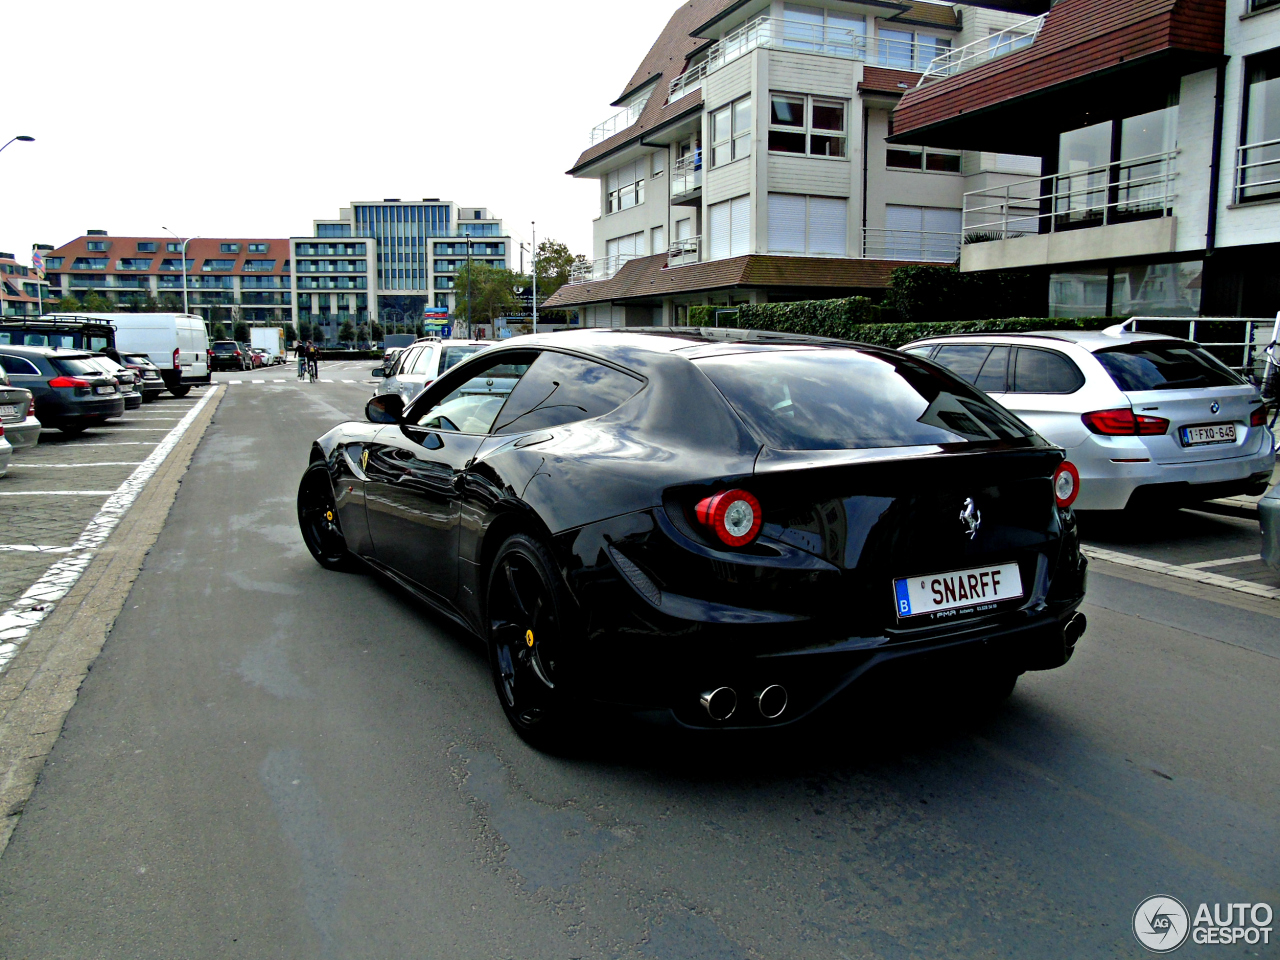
{"points": [[22, 139], [470, 329], [185, 308], [534, 224]]}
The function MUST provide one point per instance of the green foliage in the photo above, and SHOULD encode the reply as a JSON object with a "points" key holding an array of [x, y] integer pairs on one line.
{"points": [[347, 331], [219, 332], [290, 335], [96, 303], [929, 293], [699, 315], [170, 303], [240, 331], [821, 318], [69, 305], [378, 333], [491, 291]]}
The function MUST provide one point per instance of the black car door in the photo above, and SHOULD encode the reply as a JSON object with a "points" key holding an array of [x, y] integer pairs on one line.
{"points": [[415, 469]]}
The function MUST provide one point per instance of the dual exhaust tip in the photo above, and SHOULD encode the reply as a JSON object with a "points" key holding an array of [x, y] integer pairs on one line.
{"points": [[722, 702]]}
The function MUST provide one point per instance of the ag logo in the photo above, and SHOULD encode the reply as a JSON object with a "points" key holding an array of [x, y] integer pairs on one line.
{"points": [[1161, 924]]}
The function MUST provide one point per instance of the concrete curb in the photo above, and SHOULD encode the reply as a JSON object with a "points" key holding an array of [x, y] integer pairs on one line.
{"points": [[42, 683]]}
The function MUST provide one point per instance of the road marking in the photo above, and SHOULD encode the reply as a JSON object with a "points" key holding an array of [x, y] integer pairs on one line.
{"points": [[90, 442], [1183, 573], [26, 613], [348, 381], [112, 426], [32, 548], [235, 381], [56, 493], [69, 466], [1206, 564], [257, 381], [141, 419]]}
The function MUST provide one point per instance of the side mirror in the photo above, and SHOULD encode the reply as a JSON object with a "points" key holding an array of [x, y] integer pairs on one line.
{"points": [[388, 408], [379, 373]]}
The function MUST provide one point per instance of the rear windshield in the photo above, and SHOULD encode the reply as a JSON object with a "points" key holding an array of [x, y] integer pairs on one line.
{"points": [[1165, 365], [225, 347], [837, 399], [455, 355], [76, 366]]}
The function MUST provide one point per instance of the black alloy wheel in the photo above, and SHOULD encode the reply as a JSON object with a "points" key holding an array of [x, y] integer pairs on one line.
{"points": [[179, 392], [318, 519], [530, 624]]}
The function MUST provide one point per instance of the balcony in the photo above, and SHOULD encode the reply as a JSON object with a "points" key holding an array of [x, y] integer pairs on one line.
{"points": [[918, 246], [688, 82], [588, 270], [683, 252], [982, 51], [792, 35], [686, 178], [1119, 209], [1257, 171], [618, 122]]}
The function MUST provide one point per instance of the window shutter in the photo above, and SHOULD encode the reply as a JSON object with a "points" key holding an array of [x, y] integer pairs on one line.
{"points": [[611, 248], [786, 223], [613, 180], [721, 242], [828, 225], [941, 220], [741, 234], [902, 232]]}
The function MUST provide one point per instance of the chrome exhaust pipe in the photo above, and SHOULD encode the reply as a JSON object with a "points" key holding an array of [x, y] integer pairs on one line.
{"points": [[772, 701], [719, 703], [1074, 630]]}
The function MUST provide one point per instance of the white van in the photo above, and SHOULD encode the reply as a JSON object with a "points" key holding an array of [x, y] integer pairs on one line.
{"points": [[177, 343]]}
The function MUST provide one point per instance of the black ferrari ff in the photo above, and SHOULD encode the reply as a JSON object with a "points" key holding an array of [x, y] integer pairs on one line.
{"points": [[722, 527]]}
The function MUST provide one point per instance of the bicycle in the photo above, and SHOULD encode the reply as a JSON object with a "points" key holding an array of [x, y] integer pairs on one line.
{"points": [[313, 369], [1270, 387]]}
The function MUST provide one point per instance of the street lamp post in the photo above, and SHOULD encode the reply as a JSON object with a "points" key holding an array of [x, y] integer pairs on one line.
{"points": [[534, 224], [23, 139], [470, 329], [184, 266]]}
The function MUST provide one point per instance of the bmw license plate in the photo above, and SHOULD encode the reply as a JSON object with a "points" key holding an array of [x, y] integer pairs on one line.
{"points": [[959, 592], [1208, 433], [8, 410], [104, 389]]}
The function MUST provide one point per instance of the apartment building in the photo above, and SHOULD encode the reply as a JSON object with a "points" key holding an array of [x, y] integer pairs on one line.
{"points": [[20, 288], [1158, 127], [243, 279], [748, 159], [390, 260]]}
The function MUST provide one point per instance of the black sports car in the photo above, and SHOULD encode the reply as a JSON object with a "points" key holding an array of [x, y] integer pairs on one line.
{"points": [[723, 527]]}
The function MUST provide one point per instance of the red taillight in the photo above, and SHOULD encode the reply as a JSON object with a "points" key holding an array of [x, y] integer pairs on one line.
{"points": [[1259, 417], [176, 354], [31, 408], [734, 515], [1066, 484], [1123, 422], [69, 382]]}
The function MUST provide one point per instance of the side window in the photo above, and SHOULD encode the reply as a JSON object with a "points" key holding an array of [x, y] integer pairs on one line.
{"points": [[471, 397], [406, 359], [1045, 371], [995, 372], [423, 365], [918, 351], [963, 359], [562, 389], [19, 366]]}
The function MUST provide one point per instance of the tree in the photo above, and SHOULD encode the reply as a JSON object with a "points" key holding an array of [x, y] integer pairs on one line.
{"points": [[240, 331], [290, 335], [492, 293], [305, 331], [69, 305], [219, 332], [554, 265], [95, 302], [347, 331], [170, 303], [378, 333]]}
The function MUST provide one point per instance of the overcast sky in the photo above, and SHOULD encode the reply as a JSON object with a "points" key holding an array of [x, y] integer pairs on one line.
{"points": [[251, 120]]}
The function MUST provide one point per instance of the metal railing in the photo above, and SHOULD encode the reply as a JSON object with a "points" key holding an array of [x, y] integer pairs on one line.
{"points": [[686, 174], [982, 51], [687, 82], [923, 246], [828, 41], [618, 122], [601, 269], [1239, 342], [681, 252], [1257, 170], [1137, 189]]}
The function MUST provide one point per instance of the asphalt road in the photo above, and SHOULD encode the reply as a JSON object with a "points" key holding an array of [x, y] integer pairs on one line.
{"points": [[272, 760]]}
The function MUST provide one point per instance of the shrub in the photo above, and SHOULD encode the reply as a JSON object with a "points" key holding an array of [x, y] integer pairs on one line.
{"points": [[822, 318], [922, 293]]}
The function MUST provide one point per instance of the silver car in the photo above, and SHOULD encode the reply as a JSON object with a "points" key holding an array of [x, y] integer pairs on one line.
{"points": [[1144, 418], [1269, 520], [18, 415], [421, 363]]}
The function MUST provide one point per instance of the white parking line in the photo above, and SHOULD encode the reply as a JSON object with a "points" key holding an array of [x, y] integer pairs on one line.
{"points": [[90, 442], [70, 466], [111, 426], [32, 548], [26, 613], [1183, 573], [56, 493], [1229, 561]]}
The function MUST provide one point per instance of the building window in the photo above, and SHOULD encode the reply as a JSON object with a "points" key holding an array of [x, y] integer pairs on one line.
{"points": [[823, 31], [659, 164], [89, 263], [230, 248], [97, 246], [729, 228], [53, 263], [731, 132], [210, 265], [134, 263], [818, 226], [258, 248], [1256, 5], [918, 158], [259, 266], [172, 247], [146, 246], [1259, 172], [904, 50], [625, 187], [176, 265], [658, 242], [632, 245], [333, 230], [920, 233], [812, 126]]}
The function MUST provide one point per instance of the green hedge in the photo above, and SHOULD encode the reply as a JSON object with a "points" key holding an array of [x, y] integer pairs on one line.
{"points": [[900, 334]]}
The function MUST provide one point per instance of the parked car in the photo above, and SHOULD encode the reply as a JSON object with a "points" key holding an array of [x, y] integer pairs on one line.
{"points": [[1269, 520], [125, 377], [389, 357], [247, 351], [1145, 418], [832, 513], [227, 355], [6, 452], [422, 363], [71, 392], [69, 331], [176, 343], [18, 415], [150, 382]]}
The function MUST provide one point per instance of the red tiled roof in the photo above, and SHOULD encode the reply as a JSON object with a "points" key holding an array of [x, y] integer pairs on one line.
{"points": [[199, 250], [882, 80], [647, 277], [1079, 39]]}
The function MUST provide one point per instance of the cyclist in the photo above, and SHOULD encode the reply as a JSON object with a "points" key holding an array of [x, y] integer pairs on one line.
{"points": [[300, 351], [313, 361]]}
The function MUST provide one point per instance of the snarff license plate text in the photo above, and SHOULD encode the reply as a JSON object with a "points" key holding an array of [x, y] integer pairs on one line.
{"points": [[969, 591]]}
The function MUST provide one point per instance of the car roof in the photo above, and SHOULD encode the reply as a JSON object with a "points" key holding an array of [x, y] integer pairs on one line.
{"points": [[617, 344], [1091, 340], [25, 351]]}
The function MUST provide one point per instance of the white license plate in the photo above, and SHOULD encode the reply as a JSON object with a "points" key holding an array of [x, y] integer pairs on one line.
{"points": [[973, 590], [8, 410], [104, 389], [1208, 433]]}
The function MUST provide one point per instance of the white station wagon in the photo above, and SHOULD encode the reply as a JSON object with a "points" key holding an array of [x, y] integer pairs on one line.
{"points": [[1145, 418]]}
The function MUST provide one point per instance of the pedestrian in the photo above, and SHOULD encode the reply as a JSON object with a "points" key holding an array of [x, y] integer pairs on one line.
{"points": [[300, 351]]}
